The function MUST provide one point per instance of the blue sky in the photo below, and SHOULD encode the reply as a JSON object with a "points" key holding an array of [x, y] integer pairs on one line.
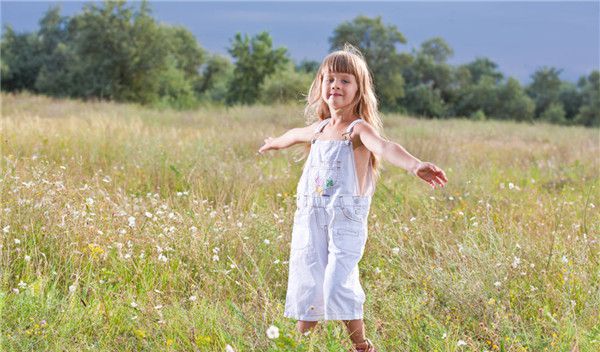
{"points": [[519, 36]]}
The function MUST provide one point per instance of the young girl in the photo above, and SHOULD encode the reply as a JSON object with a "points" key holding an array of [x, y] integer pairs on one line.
{"points": [[334, 194]]}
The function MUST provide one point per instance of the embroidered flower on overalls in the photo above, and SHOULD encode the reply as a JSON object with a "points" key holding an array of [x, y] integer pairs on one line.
{"points": [[319, 189]]}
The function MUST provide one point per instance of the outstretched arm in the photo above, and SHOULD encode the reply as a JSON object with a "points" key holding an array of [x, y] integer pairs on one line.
{"points": [[398, 156], [291, 137]]}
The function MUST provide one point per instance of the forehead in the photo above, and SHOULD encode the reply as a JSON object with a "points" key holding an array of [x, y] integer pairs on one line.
{"points": [[337, 74]]}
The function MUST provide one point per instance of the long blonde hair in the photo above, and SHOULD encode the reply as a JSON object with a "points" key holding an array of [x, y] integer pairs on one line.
{"points": [[351, 61]]}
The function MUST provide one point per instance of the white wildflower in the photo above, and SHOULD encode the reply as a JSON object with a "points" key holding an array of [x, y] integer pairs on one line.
{"points": [[133, 304], [461, 343], [497, 283], [131, 221], [272, 332], [516, 262], [72, 288], [193, 298], [228, 348], [396, 250]]}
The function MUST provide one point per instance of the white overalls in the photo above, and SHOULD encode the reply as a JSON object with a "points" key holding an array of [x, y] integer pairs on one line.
{"points": [[329, 234]]}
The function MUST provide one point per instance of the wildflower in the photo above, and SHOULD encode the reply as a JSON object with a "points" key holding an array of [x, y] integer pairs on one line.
{"points": [[6, 228], [516, 262], [565, 259], [17, 241], [444, 336], [15, 291], [158, 307], [27, 258], [89, 201], [193, 298], [133, 304], [228, 348], [148, 214], [131, 221], [267, 241], [396, 250], [461, 343], [163, 258], [272, 332], [511, 185], [21, 284], [377, 270], [72, 288], [497, 283], [412, 219], [215, 258]]}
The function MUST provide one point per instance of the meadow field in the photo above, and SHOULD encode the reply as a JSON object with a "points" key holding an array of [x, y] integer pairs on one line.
{"points": [[124, 228]]}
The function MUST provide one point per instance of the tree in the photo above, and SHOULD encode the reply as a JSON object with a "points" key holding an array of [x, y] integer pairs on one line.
{"points": [[483, 67], [545, 88], [21, 60], [437, 49], [589, 112], [55, 54], [255, 60], [377, 42], [512, 102], [286, 85]]}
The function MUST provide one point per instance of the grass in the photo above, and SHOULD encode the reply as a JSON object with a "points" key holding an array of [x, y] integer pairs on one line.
{"points": [[126, 228]]}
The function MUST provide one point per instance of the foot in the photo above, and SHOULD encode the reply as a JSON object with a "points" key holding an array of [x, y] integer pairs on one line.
{"points": [[365, 346]]}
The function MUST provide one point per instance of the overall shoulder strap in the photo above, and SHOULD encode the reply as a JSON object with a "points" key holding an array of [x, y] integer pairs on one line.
{"points": [[321, 125], [351, 127]]}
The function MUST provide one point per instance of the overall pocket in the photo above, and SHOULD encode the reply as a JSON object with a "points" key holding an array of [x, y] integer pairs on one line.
{"points": [[354, 213], [349, 233], [301, 229]]}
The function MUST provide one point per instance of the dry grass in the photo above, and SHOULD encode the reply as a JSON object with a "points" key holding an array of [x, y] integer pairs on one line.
{"points": [[125, 228]]}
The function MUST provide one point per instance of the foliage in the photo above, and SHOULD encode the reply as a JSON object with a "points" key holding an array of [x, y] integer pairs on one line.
{"points": [[255, 61]]}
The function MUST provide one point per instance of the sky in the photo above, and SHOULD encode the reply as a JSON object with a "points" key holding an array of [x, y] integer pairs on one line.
{"points": [[519, 36]]}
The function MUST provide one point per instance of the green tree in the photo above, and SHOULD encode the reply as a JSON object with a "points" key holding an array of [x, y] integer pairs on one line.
{"points": [[545, 88], [216, 73], [55, 54], [589, 112], [571, 99], [554, 113], [286, 85], [255, 61], [377, 42], [483, 67], [512, 102], [21, 60]]}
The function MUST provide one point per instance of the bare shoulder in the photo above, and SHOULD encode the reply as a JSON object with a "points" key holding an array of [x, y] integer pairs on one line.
{"points": [[306, 133]]}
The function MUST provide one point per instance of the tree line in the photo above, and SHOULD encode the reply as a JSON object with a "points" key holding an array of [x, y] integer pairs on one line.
{"points": [[116, 52]]}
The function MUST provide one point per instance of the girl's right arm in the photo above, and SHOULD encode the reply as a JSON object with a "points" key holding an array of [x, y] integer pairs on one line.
{"points": [[291, 137]]}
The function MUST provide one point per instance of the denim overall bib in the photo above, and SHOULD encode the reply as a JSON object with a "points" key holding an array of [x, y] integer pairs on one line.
{"points": [[329, 234]]}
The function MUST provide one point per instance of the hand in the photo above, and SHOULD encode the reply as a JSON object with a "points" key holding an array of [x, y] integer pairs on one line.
{"points": [[431, 174], [267, 145]]}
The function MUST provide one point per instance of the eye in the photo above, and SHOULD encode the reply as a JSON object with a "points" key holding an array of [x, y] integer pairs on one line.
{"points": [[345, 81]]}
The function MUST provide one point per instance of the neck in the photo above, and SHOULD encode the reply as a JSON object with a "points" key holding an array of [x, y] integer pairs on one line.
{"points": [[341, 115]]}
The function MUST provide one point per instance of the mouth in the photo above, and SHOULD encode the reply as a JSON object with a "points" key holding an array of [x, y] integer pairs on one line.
{"points": [[335, 95]]}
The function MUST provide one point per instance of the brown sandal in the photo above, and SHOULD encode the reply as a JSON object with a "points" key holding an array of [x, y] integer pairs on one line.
{"points": [[369, 348]]}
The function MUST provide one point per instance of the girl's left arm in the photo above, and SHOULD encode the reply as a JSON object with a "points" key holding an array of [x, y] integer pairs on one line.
{"points": [[398, 156]]}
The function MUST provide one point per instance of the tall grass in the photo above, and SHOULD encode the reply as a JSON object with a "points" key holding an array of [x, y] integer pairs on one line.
{"points": [[125, 228]]}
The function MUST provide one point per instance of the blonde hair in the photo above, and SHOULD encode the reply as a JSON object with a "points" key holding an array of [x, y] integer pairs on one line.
{"points": [[351, 61]]}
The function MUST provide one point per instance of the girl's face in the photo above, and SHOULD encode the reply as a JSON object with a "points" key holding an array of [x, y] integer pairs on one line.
{"points": [[338, 89]]}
